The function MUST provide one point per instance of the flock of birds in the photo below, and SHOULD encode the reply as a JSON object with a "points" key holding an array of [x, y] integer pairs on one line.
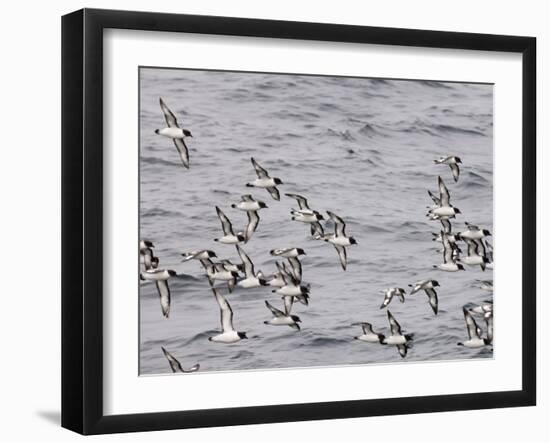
{"points": [[287, 281]]}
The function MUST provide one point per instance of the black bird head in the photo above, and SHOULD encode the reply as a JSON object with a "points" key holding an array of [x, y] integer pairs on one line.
{"points": [[262, 205], [242, 335], [460, 267], [241, 237], [295, 318], [435, 283], [457, 159], [172, 273], [157, 131], [278, 181], [457, 211], [211, 254], [187, 133], [486, 232], [300, 251], [352, 241]]}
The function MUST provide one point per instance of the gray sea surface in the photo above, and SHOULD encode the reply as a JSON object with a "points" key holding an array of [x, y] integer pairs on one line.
{"points": [[362, 148]]}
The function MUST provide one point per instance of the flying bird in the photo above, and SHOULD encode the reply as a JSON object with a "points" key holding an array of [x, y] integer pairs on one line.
{"points": [[174, 132], [287, 252], [292, 287], [251, 280], [265, 181], [248, 203], [428, 286], [175, 364], [306, 215], [369, 335], [450, 262], [281, 318], [148, 259], [452, 162], [397, 338], [475, 255], [228, 334], [475, 340], [229, 237], [219, 271], [339, 239], [445, 209], [390, 293], [160, 277]]}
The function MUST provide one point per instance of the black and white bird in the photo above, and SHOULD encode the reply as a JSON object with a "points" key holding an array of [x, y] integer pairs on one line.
{"points": [[228, 334], [147, 259], [292, 287], [390, 293], [368, 334], [339, 239], [278, 278], [251, 280], [219, 271], [397, 338], [450, 263], [175, 364], [248, 203], [160, 277], [305, 214], [475, 255], [453, 162], [428, 286], [265, 181], [281, 318], [481, 309], [474, 232], [174, 132], [445, 209], [145, 244], [229, 237], [198, 255], [287, 252], [251, 207], [475, 339]]}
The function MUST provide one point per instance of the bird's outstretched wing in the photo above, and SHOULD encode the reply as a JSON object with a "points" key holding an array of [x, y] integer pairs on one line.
{"points": [[260, 172], [169, 116]]}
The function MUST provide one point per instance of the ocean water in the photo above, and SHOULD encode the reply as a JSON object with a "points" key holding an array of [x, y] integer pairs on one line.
{"points": [[362, 148]]}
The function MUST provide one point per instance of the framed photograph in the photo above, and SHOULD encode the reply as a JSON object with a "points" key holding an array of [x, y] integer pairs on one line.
{"points": [[269, 221]]}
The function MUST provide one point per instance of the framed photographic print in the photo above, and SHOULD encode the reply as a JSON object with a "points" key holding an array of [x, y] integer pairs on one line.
{"points": [[270, 221]]}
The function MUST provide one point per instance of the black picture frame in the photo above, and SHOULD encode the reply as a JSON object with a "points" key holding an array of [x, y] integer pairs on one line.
{"points": [[82, 219]]}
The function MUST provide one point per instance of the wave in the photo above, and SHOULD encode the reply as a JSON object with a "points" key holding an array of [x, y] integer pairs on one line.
{"points": [[371, 130], [159, 212], [455, 130], [156, 161], [325, 341], [475, 180], [435, 84]]}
